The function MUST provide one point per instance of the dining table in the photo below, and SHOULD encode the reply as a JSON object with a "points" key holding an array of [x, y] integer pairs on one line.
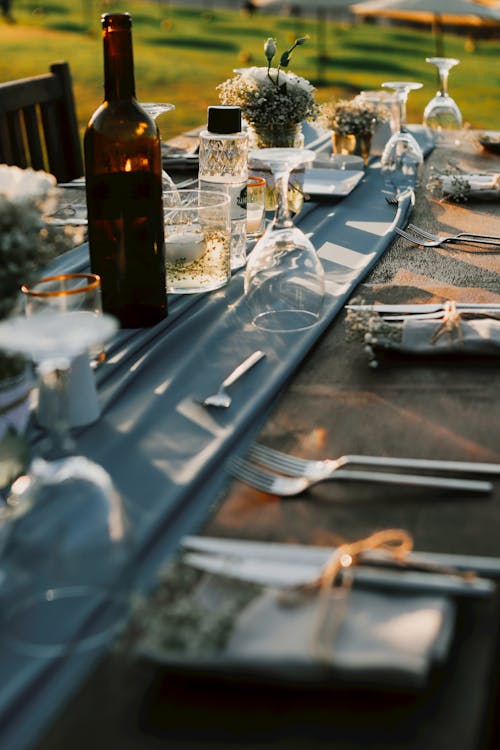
{"points": [[318, 393]]}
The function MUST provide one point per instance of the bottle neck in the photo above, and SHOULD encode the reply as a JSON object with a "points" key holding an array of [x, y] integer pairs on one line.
{"points": [[119, 82]]}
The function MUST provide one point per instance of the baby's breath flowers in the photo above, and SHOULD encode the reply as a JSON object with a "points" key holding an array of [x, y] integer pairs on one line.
{"points": [[351, 116], [27, 241], [371, 330], [455, 184], [269, 97], [448, 184]]}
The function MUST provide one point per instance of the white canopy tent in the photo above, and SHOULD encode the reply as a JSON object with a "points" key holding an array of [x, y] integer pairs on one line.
{"points": [[437, 13], [460, 12]]}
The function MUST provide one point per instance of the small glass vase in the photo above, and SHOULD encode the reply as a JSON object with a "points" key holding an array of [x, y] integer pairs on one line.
{"points": [[275, 136], [278, 137], [357, 144]]}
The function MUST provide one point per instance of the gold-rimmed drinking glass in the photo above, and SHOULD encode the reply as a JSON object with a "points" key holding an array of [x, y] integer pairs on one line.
{"points": [[66, 292], [69, 293]]}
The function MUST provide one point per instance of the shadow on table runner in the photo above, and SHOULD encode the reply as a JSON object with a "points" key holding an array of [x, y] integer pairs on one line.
{"points": [[166, 453], [175, 449]]}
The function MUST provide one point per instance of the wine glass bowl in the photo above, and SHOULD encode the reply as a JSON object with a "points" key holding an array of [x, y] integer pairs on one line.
{"points": [[402, 157], [284, 279], [154, 110], [64, 558], [66, 543], [442, 114]]}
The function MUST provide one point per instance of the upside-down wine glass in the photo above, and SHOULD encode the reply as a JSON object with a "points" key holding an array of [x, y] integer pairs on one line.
{"points": [[402, 157], [154, 110], [65, 543], [284, 278], [442, 114]]}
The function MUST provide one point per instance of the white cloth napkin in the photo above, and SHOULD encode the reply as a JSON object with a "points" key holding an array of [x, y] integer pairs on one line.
{"points": [[382, 638], [367, 637], [467, 184], [477, 336]]}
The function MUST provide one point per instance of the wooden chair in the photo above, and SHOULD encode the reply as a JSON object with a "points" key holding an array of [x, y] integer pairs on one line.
{"points": [[38, 125]]}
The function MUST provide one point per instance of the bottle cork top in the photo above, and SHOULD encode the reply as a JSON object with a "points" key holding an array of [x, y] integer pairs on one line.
{"points": [[224, 119]]}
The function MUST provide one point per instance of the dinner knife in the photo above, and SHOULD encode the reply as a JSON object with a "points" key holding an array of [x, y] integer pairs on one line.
{"points": [[318, 556], [286, 574]]}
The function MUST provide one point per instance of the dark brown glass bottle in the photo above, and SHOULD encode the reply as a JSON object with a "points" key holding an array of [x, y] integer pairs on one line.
{"points": [[124, 190]]}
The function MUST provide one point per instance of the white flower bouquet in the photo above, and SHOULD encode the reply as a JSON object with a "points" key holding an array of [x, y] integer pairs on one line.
{"points": [[270, 98]]}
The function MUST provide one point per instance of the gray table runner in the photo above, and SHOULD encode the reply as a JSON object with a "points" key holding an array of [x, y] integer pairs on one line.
{"points": [[166, 453]]}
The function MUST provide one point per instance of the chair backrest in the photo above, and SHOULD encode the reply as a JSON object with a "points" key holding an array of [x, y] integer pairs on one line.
{"points": [[38, 125]]}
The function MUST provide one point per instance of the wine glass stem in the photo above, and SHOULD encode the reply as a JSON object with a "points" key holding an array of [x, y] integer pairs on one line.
{"points": [[402, 97], [54, 380], [282, 219], [443, 77]]}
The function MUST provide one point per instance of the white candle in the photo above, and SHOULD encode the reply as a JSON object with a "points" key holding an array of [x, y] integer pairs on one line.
{"points": [[255, 213], [184, 247]]}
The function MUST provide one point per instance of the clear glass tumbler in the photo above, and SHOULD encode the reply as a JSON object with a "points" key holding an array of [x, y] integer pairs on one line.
{"points": [[197, 240]]}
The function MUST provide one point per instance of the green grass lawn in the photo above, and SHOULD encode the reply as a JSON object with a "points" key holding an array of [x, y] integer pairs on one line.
{"points": [[181, 54]]}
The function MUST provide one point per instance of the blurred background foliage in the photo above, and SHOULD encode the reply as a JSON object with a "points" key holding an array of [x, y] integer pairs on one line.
{"points": [[182, 53]]}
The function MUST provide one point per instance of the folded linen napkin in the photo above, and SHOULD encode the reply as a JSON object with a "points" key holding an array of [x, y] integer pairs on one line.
{"points": [[374, 638], [459, 185], [429, 337], [205, 622], [455, 333]]}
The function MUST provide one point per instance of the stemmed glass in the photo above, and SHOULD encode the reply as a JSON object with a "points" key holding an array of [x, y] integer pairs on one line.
{"points": [[442, 113], [402, 157], [154, 110], [284, 278], [65, 544]]}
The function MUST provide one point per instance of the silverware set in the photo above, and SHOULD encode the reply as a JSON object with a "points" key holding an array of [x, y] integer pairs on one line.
{"points": [[425, 239], [284, 565], [287, 476], [428, 311]]}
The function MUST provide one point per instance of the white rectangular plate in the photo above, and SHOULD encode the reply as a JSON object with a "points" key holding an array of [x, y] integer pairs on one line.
{"points": [[334, 182]]}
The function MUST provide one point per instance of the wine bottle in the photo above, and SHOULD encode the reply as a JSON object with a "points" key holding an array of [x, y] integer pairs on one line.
{"points": [[124, 190]]}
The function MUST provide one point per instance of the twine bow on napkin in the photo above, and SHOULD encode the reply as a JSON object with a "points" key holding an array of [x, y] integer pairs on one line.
{"points": [[334, 583], [450, 323]]}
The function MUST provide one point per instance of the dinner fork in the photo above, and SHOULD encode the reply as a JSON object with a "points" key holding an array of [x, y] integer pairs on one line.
{"points": [[450, 237], [276, 484], [437, 243], [295, 466], [394, 199]]}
